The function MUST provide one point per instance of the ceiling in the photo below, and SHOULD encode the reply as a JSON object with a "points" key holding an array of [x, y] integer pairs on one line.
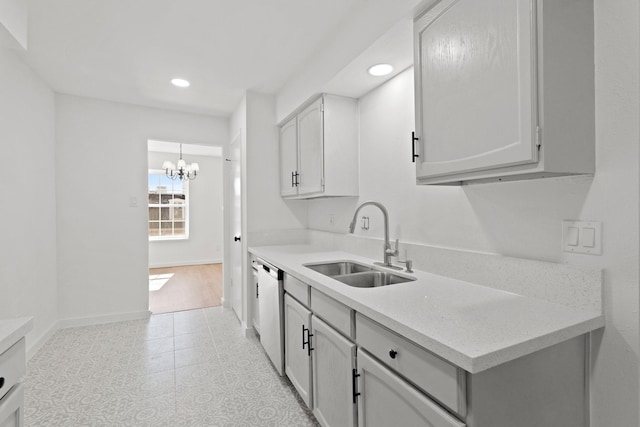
{"points": [[128, 51]]}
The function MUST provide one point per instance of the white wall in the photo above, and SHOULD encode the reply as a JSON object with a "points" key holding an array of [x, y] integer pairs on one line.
{"points": [[204, 244], [266, 210], [264, 213], [28, 214], [101, 161], [523, 219]]}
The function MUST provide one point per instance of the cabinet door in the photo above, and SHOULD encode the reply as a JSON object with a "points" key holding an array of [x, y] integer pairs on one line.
{"points": [[288, 158], [11, 408], [333, 362], [297, 366], [387, 400], [311, 149], [475, 86]]}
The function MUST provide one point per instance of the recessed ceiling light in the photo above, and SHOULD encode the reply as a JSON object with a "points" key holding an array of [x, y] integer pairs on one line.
{"points": [[180, 82], [380, 69]]}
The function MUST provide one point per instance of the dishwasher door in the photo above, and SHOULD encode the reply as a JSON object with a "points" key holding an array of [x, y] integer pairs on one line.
{"points": [[272, 314]]}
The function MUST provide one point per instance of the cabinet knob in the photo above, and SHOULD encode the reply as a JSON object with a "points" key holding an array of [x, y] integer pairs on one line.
{"points": [[393, 354]]}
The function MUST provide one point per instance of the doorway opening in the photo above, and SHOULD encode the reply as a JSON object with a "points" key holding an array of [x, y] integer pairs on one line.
{"points": [[185, 228]]}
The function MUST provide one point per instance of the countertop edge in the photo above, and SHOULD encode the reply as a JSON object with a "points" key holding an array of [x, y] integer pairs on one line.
{"points": [[12, 330], [472, 363]]}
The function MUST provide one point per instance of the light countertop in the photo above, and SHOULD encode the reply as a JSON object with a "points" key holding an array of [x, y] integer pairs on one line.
{"points": [[11, 330], [474, 327]]}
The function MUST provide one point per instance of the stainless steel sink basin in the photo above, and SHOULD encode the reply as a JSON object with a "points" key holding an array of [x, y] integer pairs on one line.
{"points": [[337, 268], [358, 275]]}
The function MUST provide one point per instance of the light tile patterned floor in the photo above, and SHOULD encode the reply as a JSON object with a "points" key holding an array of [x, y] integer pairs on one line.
{"points": [[191, 368]]}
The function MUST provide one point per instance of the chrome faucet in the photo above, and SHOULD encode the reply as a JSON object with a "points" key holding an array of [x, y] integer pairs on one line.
{"points": [[388, 252]]}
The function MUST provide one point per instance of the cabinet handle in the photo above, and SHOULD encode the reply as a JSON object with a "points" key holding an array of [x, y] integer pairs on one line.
{"points": [[297, 180], [414, 139], [307, 342], [257, 284], [1, 382], [354, 384], [304, 342], [309, 348], [393, 353], [293, 175]]}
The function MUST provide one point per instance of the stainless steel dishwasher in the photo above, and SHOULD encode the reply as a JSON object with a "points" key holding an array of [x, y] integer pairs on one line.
{"points": [[272, 313]]}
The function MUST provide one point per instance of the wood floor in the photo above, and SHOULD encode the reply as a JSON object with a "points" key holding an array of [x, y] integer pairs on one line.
{"points": [[187, 288]]}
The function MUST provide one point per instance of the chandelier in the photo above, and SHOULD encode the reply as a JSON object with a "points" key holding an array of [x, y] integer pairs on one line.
{"points": [[183, 172]]}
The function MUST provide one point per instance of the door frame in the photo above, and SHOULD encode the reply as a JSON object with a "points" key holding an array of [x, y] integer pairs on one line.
{"points": [[240, 138]]}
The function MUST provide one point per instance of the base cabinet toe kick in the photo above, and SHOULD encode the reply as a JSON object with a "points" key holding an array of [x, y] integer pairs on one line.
{"points": [[352, 371]]}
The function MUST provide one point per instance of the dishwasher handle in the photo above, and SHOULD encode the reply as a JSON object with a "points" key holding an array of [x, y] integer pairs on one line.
{"points": [[274, 272]]}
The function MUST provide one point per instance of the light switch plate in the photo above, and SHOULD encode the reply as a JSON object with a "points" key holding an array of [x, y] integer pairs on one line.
{"points": [[589, 237]]}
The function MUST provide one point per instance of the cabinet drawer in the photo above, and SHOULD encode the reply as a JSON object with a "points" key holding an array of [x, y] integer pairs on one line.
{"points": [[331, 311], [12, 366], [438, 378], [296, 289]]}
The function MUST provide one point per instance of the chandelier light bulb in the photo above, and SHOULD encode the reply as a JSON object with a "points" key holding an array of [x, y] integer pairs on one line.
{"points": [[183, 172]]}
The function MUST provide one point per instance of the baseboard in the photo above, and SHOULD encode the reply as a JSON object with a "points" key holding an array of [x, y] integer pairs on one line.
{"points": [[185, 263], [96, 320], [42, 339], [247, 330]]}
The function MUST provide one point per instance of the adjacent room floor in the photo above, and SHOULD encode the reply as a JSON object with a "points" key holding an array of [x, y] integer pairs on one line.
{"points": [[193, 368], [188, 287]]}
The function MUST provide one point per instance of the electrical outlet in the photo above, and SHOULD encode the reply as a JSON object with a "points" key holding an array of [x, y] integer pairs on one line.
{"points": [[364, 223], [582, 237]]}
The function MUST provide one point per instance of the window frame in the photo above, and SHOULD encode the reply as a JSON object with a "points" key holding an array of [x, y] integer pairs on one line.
{"points": [[185, 207]]}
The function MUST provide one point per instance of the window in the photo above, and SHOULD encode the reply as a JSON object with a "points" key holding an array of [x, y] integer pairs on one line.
{"points": [[168, 207]]}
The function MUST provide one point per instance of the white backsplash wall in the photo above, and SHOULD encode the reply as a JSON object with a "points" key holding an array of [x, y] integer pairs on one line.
{"points": [[438, 215], [204, 244], [523, 219]]}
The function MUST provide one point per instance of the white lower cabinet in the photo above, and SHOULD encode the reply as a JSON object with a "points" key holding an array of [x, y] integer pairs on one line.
{"points": [[12, 368], [351, 370], [11, 408], [297, 360], [333, 360], [385, 399]]}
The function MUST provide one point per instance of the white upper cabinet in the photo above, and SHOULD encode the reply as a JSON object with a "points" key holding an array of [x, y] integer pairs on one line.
{"points": [[504, 90], [288, 157], [319, 149], [310, 149]]}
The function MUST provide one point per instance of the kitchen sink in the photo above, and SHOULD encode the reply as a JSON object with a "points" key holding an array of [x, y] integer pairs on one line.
{"points": [[358, 275], [338, 268]]}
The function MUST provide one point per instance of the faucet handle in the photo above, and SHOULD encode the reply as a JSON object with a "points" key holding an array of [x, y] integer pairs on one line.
{"points": [[395, 251]]}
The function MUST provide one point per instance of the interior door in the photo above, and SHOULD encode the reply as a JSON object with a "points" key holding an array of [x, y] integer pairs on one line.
{"points": [[475, 86], [311, 149], [235, 213]]}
